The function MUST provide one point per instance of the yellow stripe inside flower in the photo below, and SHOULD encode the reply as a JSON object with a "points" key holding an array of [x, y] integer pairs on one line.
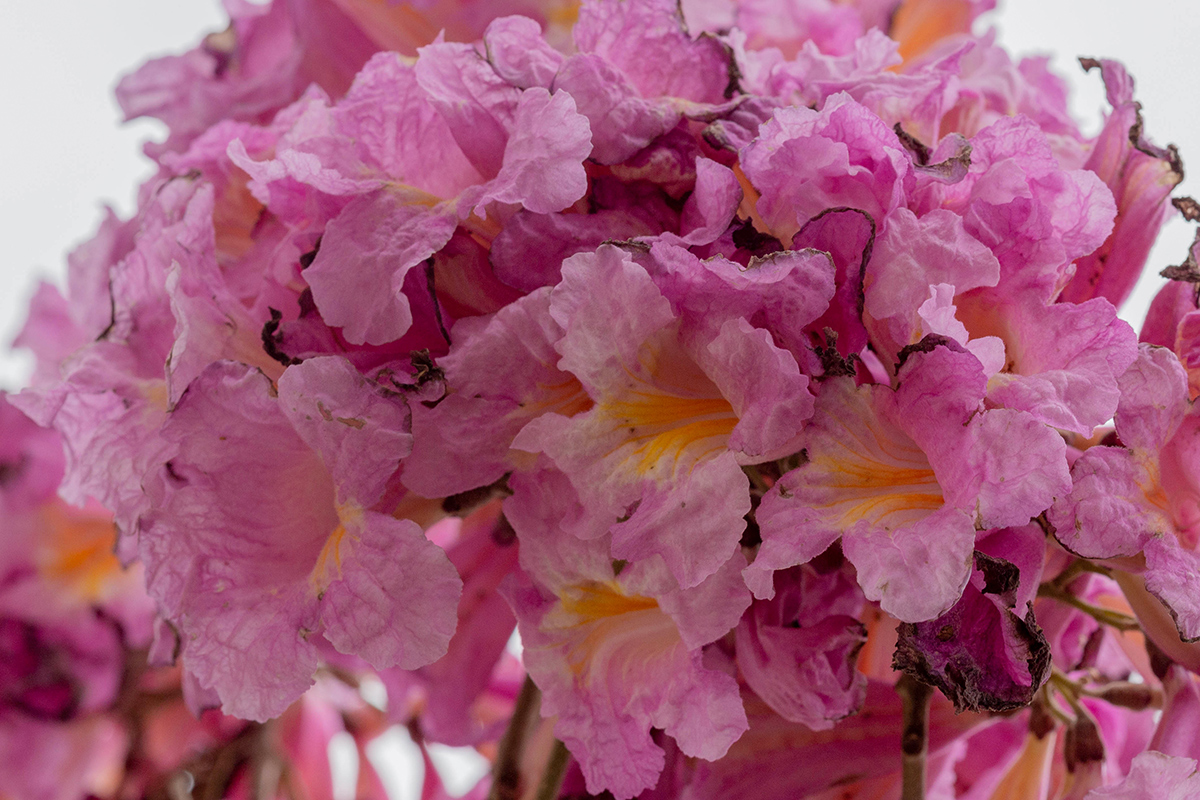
{"points": [[329, 561], [669, 430], [567, 398], [874, 473], [564, 15], [594, 600], [598, 620], [80, 552]]}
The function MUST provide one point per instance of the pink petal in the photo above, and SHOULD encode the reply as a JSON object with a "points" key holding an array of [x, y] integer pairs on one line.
{"points": [[1108, 513], [542, 168], [648, 43], [365, 254], [360, 435], [916, 572], [396, 602]]}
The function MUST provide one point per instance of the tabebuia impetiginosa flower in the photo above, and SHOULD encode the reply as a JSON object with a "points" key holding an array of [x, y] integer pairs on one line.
{"points": [[757, 363]]}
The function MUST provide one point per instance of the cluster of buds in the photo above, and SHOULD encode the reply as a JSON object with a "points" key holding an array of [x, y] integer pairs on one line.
{"points": [[756, 363]]}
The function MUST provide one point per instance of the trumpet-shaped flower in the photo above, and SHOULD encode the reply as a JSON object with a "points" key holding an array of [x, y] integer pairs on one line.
{"points": [[616, 647], [904, 477], [264, 539]]}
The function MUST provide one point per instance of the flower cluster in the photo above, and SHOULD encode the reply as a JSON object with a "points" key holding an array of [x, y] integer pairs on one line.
{"points": [[758, 363]]}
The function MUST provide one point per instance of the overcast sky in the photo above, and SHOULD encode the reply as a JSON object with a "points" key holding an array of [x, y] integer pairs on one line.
{"points": [[65, 152]]}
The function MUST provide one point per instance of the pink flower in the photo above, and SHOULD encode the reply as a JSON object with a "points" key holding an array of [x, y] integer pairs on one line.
{"points": [[904, 477], [676, 413], [617, 652], [1154, 775], [265, 539]]}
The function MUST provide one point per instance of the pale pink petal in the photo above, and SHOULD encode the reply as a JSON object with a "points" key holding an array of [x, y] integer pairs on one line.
{"points": [[501, 373], [1154, 775], [358, 276], [1178, 729], [915, 253], [390, 124], [610, 663], [1173, 302], [519, 54], [693, 523], [1108, 513], [542, 167], [621, 121], [918, 571], [1154, 399], [762, 382], [247, 550], [478, 106], [1036, 217], [711, 207], [608, 306], [805, 162], [1017, 466], [1064, 363], [396, 601], [1141, 177], [784, 292], [860, 468], [797, 651], [648, 43], [530, 250], [360, 434], [1173, 576]]}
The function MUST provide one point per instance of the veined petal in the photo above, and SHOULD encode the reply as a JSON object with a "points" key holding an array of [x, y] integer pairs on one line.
{"points": [[861, 470], [501, 373], [658, 453], [917, 572], [861, 467], [360, 434], [250, 556], [1116, 504], [610, 658]]}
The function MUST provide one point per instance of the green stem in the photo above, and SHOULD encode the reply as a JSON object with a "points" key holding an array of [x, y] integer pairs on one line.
{"points": [[1105, 616], [1069, 689], [1077, 568]]}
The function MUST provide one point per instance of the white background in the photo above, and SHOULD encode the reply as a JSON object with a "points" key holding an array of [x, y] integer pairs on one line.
{"points": [[63, 151]]}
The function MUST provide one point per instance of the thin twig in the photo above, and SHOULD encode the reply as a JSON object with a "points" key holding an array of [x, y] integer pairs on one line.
{"points": [[1049, 706], [914, 740], [1068, 689], [556, 770], [1106, 616], [506, 773], [1077, 568]]}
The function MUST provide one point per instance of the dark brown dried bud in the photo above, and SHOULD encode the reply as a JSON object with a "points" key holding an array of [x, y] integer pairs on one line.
{"points": [[1135, 696], [1082, 744]]}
